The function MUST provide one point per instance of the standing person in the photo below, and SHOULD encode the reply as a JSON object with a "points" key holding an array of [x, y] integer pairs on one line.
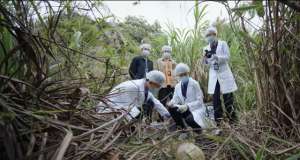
{"points": [[130, 96], [141, 65], [166, 65], [221, 79], [187, 102]]}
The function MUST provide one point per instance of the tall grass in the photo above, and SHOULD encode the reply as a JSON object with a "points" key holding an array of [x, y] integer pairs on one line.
{"points": [[187, 44]]}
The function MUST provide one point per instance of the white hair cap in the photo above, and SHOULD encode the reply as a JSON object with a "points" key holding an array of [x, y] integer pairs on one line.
{"points": [[211, 30], [166, 48], [145, 45], [156, 77], [181, 68]]}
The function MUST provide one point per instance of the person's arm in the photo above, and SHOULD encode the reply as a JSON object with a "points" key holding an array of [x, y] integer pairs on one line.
{"points": [[132, 68], [175, 99], [225, 54], [199, 98], [160, 108]]}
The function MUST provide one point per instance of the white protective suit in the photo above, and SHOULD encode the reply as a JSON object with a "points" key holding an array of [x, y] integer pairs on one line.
{"points": [[130, 96], [194, 101], [224, 74]]}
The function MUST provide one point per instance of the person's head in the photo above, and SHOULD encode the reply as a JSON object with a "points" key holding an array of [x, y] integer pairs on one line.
{"points": [[145, 49], [155, 79], [211, 34], [166, 51], [182, 71]]}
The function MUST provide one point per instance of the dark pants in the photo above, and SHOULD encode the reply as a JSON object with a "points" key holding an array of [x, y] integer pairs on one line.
{"points": [[187, 116], [165, 94], [228, 102], [146, 110]]}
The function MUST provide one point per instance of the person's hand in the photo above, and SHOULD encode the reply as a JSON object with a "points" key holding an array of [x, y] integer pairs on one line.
{"points": [[170, 104], [182, 108]]}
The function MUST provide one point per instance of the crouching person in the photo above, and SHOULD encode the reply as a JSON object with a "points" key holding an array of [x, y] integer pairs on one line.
{"points": [[187, 102], [130, 96]]}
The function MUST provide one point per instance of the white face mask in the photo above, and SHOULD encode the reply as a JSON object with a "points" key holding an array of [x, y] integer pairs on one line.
{"points": [[166, 55], [183, 78], [154, 91], [145, 53], [210, 39]]}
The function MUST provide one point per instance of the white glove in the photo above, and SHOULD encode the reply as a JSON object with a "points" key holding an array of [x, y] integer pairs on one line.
{"points": [[170, 104], [182, 108]]}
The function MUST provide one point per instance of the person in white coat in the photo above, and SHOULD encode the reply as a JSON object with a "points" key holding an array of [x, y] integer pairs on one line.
{"points": [[221, 79], [187, 102], [130, 96]]}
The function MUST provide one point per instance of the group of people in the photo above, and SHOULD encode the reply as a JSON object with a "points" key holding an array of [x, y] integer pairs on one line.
{"points": [[168, 88]]}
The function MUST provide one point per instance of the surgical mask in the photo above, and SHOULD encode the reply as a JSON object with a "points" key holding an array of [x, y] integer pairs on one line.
{"points": [[154, 91], [210, 39], [166, 55], [183, 78], [145, 53]]}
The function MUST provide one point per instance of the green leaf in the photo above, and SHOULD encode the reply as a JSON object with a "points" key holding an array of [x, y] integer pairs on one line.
{"points": [[259, 8], [260, 154], [240, 148], [244, 8], [248, 37]]}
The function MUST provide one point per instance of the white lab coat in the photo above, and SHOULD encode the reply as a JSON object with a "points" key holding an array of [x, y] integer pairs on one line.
{"points": [[130, 96], [224, 74], [194, 101]]}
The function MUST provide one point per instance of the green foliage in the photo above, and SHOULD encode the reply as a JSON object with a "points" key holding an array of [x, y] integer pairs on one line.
{"points": [[139, 28], [244, 8], [187, 44]]}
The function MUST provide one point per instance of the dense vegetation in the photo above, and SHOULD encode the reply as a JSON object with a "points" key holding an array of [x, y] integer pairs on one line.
{"points": [[47, 62]]}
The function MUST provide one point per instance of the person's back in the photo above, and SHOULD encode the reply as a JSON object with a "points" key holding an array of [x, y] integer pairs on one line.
{"points": [[126, 93]]}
